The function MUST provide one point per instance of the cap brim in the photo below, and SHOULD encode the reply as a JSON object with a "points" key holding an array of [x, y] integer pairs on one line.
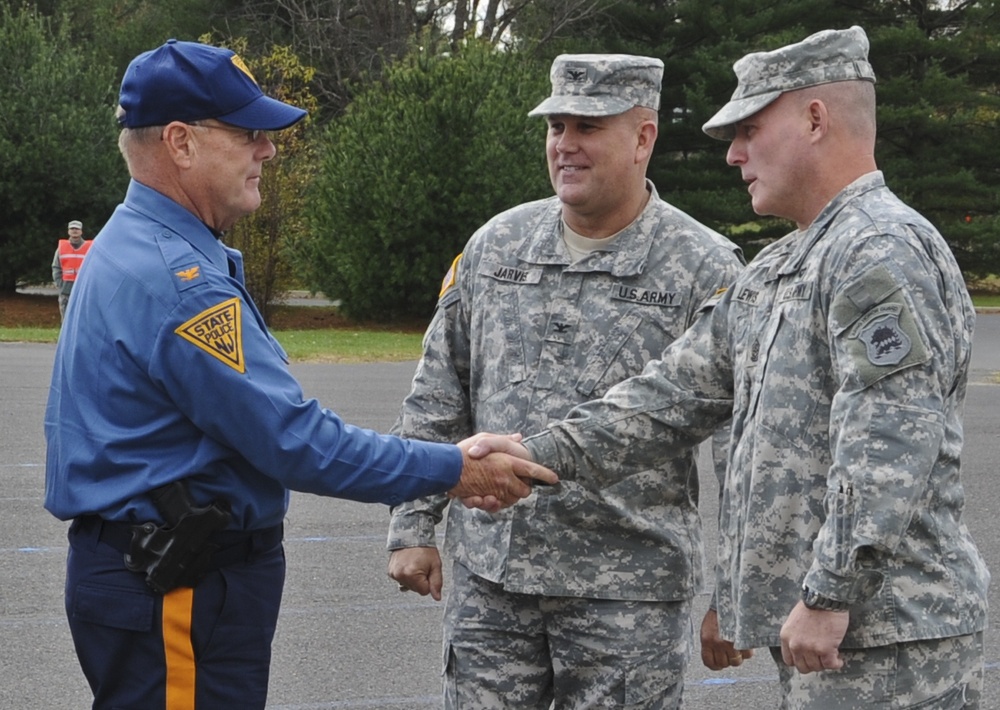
{"points": [[721, 126], [581, 106], [264, 114]]}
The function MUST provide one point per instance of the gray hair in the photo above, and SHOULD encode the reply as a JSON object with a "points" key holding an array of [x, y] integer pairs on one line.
{"points": [[130, 140], [852, 102]]}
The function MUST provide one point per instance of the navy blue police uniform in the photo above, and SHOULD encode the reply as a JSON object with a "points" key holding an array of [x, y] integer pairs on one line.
{"points": [[183, 382]]}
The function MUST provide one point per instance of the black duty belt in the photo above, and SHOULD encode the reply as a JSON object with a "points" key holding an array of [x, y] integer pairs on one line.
{"points": [[235, 546]]}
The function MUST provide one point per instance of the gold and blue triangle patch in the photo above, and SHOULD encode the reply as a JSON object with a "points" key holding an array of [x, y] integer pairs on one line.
{"points": [[218, 331]]}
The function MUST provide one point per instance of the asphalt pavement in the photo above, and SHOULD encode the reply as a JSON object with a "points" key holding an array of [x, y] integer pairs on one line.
{"points": [[346, 637]]}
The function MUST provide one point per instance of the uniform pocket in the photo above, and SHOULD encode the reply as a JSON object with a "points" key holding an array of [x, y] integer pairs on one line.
{"points": [[114, 607], [622, 352], [652, 679], [953, 699], [795, 393]]}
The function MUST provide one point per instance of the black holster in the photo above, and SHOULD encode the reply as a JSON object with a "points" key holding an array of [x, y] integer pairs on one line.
{"points": [[179, 553]]}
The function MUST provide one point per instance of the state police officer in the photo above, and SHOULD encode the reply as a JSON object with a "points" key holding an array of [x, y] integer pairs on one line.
{"points": [[174, 427]]}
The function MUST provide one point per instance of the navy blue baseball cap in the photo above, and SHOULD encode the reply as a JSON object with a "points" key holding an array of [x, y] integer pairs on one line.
{"points": [[188, 81]]}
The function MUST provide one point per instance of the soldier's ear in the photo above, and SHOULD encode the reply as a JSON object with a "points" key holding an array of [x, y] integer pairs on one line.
{"points": [[646, 138]]}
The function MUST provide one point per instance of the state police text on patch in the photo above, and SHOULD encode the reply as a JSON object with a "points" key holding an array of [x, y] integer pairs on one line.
{"points": [[218, 331]]}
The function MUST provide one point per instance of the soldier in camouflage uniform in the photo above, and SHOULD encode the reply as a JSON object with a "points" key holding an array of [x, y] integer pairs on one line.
{"points": [[842, 355], [580, 596]]}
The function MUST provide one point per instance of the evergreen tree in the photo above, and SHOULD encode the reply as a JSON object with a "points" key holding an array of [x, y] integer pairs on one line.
{"points": [[121, 29], [416, 164], [937, 92], [58, 140]]}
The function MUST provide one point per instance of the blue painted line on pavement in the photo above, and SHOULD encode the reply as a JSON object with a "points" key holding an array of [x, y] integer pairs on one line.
{"points": [[336, 538], [419, 701], [732, 681]]}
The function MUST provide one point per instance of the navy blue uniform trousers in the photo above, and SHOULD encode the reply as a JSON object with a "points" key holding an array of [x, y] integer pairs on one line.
{"points": [[200, 648]]}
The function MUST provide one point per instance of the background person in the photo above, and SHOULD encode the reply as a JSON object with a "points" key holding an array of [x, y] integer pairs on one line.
{"points": [[174, 428], [842, 353], [67, 261], [580, 594]]}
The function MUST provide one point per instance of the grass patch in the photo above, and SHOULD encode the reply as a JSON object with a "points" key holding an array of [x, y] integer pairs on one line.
{"points": [[987, 301], [28, 335], [349, 345], [331, 345]]}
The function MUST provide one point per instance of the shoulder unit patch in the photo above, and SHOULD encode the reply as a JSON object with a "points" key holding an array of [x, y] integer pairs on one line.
{"points": [[886, 343], [451, 277], [218, 331]]}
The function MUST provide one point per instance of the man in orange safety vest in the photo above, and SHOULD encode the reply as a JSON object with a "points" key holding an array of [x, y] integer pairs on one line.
{"points": [[67, 261]]}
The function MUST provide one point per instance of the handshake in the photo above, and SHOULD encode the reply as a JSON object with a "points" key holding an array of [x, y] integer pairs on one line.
{"points": [[497, 471]]}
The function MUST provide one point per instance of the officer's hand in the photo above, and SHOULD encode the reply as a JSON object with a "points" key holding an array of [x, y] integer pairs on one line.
{"points": [[717, 653], [810, 639], [497, 480], [417, 569]]}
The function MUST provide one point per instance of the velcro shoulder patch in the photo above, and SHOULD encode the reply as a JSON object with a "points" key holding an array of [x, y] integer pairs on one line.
{"points": [[713, 301], [451, 277], [218, 331], [886, 339]]}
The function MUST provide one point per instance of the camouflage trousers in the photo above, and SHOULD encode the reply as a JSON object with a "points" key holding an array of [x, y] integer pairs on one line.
{"points": [[934, 674], [63, 302], [528, 652]]}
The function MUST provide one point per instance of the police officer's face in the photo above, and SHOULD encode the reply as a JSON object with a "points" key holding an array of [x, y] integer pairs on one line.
{"points": [[593, 162], [229, 171]]}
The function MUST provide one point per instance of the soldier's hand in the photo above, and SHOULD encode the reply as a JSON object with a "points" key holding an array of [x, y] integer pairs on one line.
{"points": [[717, 653], [497, 480], [484, 444], [810, 639], [417, 569]]}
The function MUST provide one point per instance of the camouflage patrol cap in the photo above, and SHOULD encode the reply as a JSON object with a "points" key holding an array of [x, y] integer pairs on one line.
{"points": [[822, 58], [602, 84]]}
